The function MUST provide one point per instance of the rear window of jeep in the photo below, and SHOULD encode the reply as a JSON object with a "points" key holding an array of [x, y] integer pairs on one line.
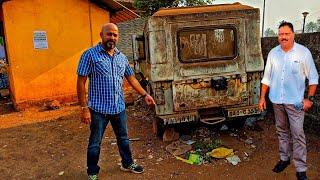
{"points": [[206, 44]]}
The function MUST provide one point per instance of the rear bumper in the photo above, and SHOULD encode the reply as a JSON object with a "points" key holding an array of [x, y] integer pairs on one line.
{"points": [[195, 116]]}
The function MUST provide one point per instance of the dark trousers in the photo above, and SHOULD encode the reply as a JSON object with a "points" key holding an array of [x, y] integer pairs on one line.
{"points": [[98, 125]]}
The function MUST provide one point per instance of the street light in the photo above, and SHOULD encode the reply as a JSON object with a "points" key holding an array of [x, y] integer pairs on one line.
{"points": [[304, 20], [264, 8]]}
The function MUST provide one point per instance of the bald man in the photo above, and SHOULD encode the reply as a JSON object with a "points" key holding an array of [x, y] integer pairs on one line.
{"points": [[105, 67]]}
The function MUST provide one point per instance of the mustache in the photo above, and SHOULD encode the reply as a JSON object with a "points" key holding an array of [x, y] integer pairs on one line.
{"points": [[110, 44], [284, 40], [112, 41]]}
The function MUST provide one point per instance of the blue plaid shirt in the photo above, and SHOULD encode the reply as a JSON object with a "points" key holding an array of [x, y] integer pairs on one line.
{"points": [[105, 75]]}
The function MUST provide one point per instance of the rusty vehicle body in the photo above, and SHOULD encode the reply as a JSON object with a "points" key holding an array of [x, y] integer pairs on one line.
{"points": [[202, 63]]}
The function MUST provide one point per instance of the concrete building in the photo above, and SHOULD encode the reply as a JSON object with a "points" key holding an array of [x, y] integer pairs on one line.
{"points": [[44, 41]]}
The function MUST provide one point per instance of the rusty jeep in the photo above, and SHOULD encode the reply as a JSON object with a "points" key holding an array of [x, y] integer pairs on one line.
{"points": [[201, 63]]}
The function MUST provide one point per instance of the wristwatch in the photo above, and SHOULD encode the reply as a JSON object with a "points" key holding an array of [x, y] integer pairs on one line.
{"points": [[311, 98]]}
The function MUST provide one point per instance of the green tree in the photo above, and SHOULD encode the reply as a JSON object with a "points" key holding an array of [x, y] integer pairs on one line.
{"points": [[311, 27], [269, 33], [318, 24], [148, 7]]}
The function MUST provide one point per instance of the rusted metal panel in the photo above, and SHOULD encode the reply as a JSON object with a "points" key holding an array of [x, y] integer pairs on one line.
{"points": [[155, 24], [205, 69], [254, 82], [253, 47], [202, 9], [204, 60], [162, 93], [200, 94], [158, 53]]}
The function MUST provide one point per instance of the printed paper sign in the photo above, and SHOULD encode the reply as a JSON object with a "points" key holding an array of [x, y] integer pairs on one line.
{"points": [[40, 40]]}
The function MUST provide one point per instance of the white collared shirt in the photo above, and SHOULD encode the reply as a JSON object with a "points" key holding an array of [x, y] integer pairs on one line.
{"points": [[285, 74]]}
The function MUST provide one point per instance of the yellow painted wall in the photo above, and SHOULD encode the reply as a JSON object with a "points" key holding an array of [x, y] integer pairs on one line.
{"points": [[48, 73]]}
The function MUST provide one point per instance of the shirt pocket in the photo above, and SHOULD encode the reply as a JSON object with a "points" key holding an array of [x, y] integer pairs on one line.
{"points": [[101, 68], [121, 69], [295, 66]]}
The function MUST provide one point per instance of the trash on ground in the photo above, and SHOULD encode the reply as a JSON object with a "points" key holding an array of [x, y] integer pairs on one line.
{"points": [[253, 146], [224, 128], [221, 152], [178, 148], [203, 132], [246, 154], [55, 104], [249, 141], [187, 139], [184, 160], [61, 173], [234, 160], [233, 134], [195, 158], [207, 145], [192, 159]]}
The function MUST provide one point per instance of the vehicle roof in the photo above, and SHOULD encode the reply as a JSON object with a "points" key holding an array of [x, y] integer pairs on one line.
{"points": [[201, 9]]}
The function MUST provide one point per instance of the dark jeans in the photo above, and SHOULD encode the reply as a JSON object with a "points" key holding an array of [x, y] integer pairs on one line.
{"points": [[98, 125]]}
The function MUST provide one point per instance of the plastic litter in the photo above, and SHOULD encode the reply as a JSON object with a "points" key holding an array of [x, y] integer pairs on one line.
{"points": [[234, 160], [192, 159], [177, 148], [224, 128], [187, 139], [184, 160], [195, 158], [249, 141], [221, 152]]}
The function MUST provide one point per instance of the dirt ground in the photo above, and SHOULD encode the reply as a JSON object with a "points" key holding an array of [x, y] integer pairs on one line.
{"points": [[52, 144]]}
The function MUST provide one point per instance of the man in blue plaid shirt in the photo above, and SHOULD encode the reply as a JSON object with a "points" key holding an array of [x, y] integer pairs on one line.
{"points": [[106, 66]]}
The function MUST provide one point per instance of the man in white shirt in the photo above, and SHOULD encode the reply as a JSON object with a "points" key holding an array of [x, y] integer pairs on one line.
{"points": [[288, 65]]}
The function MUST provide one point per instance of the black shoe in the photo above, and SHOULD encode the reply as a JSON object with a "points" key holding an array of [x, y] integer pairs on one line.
{"points": [[301, 176], [281, 166], [135, 168]]}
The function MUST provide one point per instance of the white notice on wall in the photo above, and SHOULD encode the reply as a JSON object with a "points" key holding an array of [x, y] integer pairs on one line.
{"points": [[40, 40]]}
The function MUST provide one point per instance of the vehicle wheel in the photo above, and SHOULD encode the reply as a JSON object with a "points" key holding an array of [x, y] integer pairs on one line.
{"points": [[158, 127]]}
